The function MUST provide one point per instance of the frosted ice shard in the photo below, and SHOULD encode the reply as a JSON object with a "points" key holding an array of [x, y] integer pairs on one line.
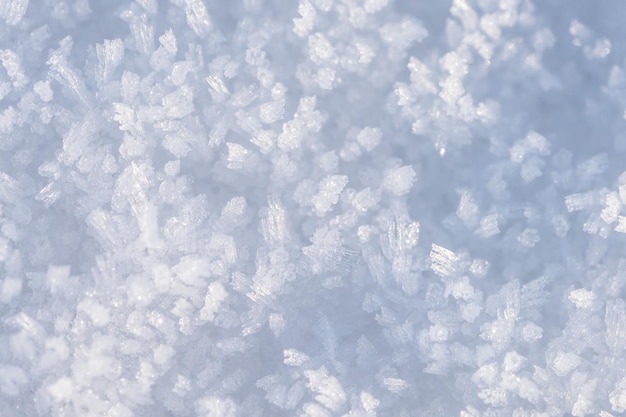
{"points": [[274, 224], [444, 261], [197, 17], [217, 88], [67, 76], [110, 55], [615, 321], [141, 29]]}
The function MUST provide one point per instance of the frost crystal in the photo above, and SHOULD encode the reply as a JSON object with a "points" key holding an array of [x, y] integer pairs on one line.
{"points": [[12, 11], [444, 261], [399, 180], [328, 193]]}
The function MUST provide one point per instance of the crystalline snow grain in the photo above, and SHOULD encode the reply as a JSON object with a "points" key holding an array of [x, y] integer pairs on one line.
{"points": [[399, 180], [328, 193], [444, 261], [12, 11]]}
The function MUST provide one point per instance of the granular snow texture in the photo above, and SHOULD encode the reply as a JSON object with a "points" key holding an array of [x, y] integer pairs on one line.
{"points": [[316, 208]]}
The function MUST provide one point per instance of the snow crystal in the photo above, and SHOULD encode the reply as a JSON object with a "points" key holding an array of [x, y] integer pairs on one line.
{"points": [[58, 277], [513, 362], [534, 143], [142, 31], [328, 193], [529, 237], [582, 298], [369, 138], [593, 166], [272, 112], [444, 261], [217, 88], [579, 201], [315, 410], [350, 151], [197, 17], [276, 323], [44, 91], [401, 35], [238, 156], [99, 315], [12, 11], [320, 49], [399, 180], [62, 389], [564, 362], [294, 357], [467, 209], [110, 55], [216, 407], [329, 391], [615, 319], [163, 354], [488, 226], [215, 295], [395, 385], [325, 78], [304, 24]]}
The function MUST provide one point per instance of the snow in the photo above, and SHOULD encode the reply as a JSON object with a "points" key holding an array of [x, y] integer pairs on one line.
{"points": [[312, 208], [444, 261], [12, 11], [328, 193], [399, 180]]}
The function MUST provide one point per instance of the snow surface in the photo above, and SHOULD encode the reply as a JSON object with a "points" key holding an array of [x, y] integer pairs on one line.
{"points": [[312, 208]]}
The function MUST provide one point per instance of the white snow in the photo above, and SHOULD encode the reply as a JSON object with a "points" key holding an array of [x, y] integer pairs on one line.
{"points": [[313, 208]]}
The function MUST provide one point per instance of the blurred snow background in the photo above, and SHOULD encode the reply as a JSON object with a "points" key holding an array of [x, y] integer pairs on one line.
{"points": [[316, 208]]}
